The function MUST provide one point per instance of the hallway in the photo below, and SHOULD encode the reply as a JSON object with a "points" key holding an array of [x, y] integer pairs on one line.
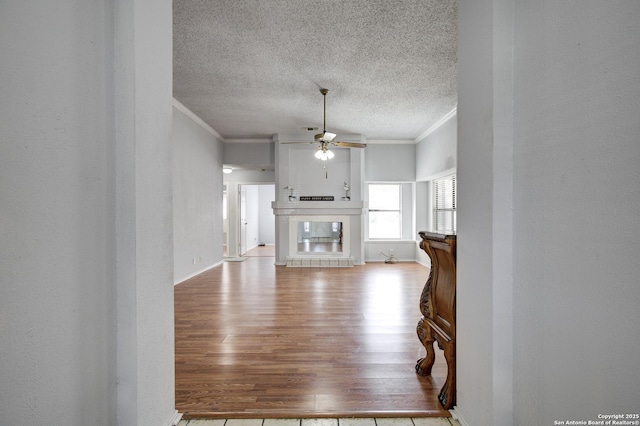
{"points": [[256, 340]]}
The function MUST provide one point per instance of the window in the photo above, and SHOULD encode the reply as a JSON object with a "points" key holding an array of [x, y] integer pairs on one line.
{"points": [[385, 213], [444, 204]]}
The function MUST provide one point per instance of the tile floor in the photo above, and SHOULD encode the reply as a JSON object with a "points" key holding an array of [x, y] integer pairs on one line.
{"points": [[417, 421]]}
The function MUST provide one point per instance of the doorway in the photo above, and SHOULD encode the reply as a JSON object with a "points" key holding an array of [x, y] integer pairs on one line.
{"points": [[255, 222]]}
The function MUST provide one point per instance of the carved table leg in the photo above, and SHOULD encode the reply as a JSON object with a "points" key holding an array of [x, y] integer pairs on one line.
{"points": [[427, 337], [448, 391]]}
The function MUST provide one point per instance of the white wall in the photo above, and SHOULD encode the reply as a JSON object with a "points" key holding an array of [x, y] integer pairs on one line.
{"points": [[576, 210], [395, 162], [308, 176], [144, 214], [474, 299], [436, 154], [57, 299], [86, 301], [252, 216], [254, 155], [267, 232], [197, 196], [547, 295], [404, 251]]}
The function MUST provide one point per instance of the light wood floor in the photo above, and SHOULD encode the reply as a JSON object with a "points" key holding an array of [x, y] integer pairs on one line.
{"points": [[256, 340]]}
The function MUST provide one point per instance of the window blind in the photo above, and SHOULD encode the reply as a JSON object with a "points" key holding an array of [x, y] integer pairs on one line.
{"points": [[444, 204]]}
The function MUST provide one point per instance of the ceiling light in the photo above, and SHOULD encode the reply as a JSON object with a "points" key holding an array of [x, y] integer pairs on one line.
{"points": [[324, 154], [227, 170]]}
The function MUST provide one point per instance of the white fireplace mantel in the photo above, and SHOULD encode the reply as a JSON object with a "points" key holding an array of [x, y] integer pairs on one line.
{"points": [[306, 208], [289, 213]]}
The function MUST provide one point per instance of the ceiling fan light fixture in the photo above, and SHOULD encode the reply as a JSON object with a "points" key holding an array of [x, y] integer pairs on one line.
{"points": [[324, 154]]}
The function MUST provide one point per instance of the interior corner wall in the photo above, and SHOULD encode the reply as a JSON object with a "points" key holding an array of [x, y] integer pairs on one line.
{"points": [[197, 197], [478, 393], [437, 154], [143, 211], [57, 297]]}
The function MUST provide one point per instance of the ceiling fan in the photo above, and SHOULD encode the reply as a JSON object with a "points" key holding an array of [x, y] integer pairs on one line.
{"points": [[326, 138]]}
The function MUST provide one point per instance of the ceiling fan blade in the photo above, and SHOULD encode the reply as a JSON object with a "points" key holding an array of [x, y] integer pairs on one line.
{"points": [[289, 143], [350, 144], [328, 137]]}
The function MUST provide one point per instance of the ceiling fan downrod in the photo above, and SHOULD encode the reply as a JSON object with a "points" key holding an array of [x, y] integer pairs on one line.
{"points": [[324, 112]]}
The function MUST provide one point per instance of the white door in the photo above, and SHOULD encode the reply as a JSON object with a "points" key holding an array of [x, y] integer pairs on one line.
{"points": [[243, 219]]}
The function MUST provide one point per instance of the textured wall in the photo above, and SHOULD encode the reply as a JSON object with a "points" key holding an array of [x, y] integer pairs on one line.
{"points": [[144, 213], [395, 163], [437, 153], [86, 316], [475, 213], [568, 77], [576, 209], [267, 219], [57, 294], [197, 197]]}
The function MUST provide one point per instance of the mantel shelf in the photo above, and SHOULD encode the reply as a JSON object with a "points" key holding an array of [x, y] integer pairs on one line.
{"points": [[292, 208], [317, 204]]}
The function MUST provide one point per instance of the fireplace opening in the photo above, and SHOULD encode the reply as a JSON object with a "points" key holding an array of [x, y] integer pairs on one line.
{"points": [[319, 237]]}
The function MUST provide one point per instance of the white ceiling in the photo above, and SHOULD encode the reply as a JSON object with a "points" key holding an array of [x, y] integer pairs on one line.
{"points": [[253, 68]]}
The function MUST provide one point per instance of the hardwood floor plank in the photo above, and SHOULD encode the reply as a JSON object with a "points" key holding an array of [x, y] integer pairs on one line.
{"points": [[254, 339]]}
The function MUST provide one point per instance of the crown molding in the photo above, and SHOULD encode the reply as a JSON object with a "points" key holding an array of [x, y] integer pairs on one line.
{"points": [[250, 140], [437, 124], [199, 121], [391, 142]]}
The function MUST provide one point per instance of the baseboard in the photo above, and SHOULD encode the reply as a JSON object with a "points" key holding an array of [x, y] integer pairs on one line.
{"points": [[459, 417], [175, 419], [198, 272], [423, 264]]}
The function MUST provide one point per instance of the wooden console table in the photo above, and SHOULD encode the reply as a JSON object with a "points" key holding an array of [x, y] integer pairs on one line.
{"points": [[438, 307]]}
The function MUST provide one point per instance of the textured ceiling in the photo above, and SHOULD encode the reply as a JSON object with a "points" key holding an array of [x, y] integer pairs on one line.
{"points": [[253, 68]]}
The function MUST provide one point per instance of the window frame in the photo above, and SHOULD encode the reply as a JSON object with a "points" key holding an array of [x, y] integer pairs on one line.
{"points": [[399, 211], [445, 202]]}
